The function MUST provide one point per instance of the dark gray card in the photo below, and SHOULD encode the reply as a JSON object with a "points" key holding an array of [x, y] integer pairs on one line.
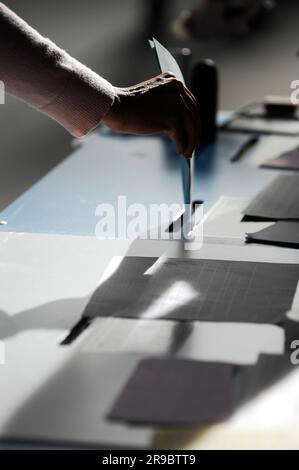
{"points": [[176, 391], [183, 392], [279, 200], [280, 233], [194, 289], [285, 161]]}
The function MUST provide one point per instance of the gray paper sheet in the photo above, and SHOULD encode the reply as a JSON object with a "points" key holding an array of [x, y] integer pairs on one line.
{"points": [[225, 342], [280, 233], [265, 125], [194, 289], [168, 391], [279, 200], [285, 161]]}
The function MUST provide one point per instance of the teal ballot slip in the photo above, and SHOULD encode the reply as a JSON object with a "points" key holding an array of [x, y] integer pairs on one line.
{"points": [[167, 63]]}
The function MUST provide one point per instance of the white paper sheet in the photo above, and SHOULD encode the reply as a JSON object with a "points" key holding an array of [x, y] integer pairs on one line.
{"points": [[236, 343]]}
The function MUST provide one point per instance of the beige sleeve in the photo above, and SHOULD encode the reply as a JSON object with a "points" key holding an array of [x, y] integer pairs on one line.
{"points": [[34, 69]]}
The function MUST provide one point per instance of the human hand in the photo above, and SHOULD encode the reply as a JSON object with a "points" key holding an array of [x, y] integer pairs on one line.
{"points": [[159, 105]]}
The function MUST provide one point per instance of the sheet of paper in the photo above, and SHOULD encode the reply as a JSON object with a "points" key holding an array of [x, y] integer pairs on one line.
{"points": [[196, 289], [279, 233], [234, 343], [166, 60], [166, 391], [271, 146], [267, 126], [224, 220], [256, 394], [278, 200], [285, 161]]}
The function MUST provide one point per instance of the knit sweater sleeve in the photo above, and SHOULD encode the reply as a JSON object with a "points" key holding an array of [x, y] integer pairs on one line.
{"points": [[34, 69]]}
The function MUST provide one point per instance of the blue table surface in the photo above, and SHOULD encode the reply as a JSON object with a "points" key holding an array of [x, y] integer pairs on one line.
{"points": [[144, 169]]}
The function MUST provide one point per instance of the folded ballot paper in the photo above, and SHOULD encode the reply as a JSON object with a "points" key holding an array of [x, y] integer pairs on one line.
{"points": [[167, 63]]}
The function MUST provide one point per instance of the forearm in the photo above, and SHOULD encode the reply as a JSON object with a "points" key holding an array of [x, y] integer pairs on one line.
{"points": [[34, 69]]}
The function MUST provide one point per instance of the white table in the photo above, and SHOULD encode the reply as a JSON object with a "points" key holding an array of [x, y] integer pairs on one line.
{"points": [[50, 265]]}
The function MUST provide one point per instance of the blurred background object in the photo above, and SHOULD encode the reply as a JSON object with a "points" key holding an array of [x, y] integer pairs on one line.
{"points": [[204, 85], [220, 18], [111, 38]]}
